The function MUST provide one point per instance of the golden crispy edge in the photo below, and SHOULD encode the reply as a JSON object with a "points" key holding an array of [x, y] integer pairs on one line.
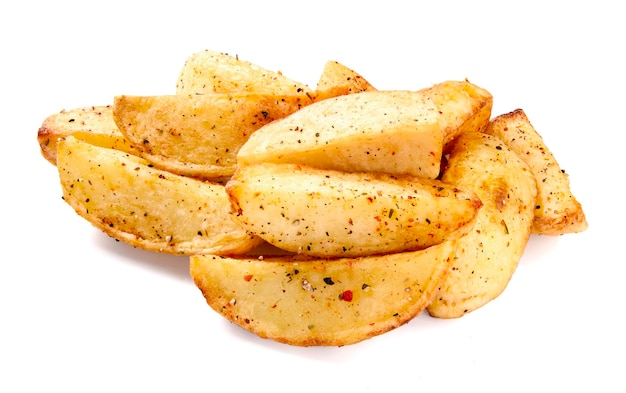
{"points": [[558, 211]]}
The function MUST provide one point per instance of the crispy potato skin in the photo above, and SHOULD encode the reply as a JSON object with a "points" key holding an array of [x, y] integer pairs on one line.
{"points": [[324, 302], [208, 72], [151, 209], [557, 211], [375, 131], [93, 124], [338, 214], [487, 256], [198, 135]]}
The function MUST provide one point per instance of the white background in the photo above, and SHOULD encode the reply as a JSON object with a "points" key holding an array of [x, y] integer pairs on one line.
{"points": [[82, 313]]}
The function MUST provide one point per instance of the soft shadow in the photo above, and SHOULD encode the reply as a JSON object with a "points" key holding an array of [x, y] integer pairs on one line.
{"points": [[538, 247], [322, 354], [172, 265]]}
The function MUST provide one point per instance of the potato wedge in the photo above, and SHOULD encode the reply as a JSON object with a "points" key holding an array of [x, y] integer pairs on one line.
{"points": [[463, 107], [198, 136], [488, 255], [151, 209], [208, 72], [557, 211], [304, 302], [92, 124], [339, 214], [338, 80], [394, 132]]}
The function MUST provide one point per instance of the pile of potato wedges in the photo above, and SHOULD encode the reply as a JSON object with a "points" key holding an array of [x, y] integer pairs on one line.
{"points": [[316, 216]]}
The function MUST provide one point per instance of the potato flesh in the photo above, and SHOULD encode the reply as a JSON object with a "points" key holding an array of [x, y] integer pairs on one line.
{"points": [[463, 107], [93, 124], [337, 80], [306, 302], [330, 213], [557, 211], [390, 132], [488, 255], [208, 72], [145, 207], [198, 136]]}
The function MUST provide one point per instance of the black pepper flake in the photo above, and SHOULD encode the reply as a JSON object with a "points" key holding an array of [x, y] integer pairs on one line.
{"points": [[329, 281]]}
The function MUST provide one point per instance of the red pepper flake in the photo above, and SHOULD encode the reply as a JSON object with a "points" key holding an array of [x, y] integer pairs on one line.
{"points": [[247, 277], [346, 295]]}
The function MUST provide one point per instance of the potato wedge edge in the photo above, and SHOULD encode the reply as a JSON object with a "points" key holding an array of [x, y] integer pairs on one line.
{"points": [[558, 211], [374, 131], [93, 124], [198, 136], [487, 256], [331, 302], [330, 213], [208, 71], [151, 209]]}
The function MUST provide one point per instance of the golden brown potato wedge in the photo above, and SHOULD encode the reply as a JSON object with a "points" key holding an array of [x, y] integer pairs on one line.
{"points": [[488, 255], [338, 80], [127, 199], [208, 72], [92, 124], [198, 136], [557, 211], [305, 302], [376, 131], [463, 106], [339, 214]]}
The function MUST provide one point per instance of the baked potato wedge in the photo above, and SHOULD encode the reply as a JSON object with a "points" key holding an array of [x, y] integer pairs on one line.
{"points": [[394, 132], [557, 211], [463, 107], [338, 80], [198, 135], [126, 198], [331, 302], [328, 213], [488, 255], [92, 124], [208, 72]]}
